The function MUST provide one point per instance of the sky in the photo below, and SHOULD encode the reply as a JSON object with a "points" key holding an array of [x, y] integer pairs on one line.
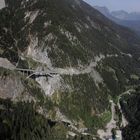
{"points": [[113, 5]]}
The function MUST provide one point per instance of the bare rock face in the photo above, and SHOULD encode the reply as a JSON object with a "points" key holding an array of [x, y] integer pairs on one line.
{"points": [[2, 4], [10, 87], [6, 64], [14, 86]]}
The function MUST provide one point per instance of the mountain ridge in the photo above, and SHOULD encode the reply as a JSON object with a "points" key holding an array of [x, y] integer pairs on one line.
{"points": [[121, 17], [126, 15], [94, 60]]}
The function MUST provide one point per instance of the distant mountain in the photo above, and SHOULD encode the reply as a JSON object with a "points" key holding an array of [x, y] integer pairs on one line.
{"points": [[133, 24], [131, 20], [103, 10], [125, 15]]}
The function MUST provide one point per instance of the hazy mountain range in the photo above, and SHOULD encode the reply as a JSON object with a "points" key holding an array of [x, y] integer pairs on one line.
{"points": [[131, 20], [125, 15]]}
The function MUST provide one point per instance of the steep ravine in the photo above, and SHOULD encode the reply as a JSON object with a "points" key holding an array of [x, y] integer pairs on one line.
{"points": [[53, 83]]}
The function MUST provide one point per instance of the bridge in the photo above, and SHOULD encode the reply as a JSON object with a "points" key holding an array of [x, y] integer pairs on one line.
{"points": [[30, 73], [4, 63]]}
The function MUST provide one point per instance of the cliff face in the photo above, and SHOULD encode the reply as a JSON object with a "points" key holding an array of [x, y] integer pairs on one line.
{"points": [[69, 64]]}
